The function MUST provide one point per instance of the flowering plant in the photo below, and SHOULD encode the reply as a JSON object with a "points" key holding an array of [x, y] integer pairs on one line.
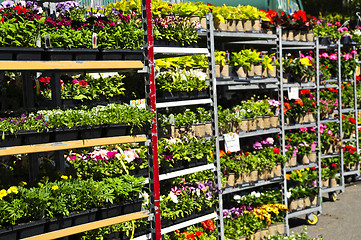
{"points": [[203, 231], [348, 125], [181, 81], [176, 150], [328, 100], [350, 155], [187, 199], [254, 198], [348, 64], [327, 29], [294, 236], [347, 94]]}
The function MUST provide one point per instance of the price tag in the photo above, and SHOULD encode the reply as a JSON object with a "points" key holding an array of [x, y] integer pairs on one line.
{"points": [[140, 103], [95, 40], [231, 141], [38, 41], [293, 93]]}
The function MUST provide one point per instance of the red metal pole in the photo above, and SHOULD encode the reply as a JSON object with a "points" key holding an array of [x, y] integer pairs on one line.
{"points": [[151, 71]]}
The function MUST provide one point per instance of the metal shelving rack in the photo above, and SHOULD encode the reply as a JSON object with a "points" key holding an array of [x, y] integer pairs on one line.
{"points": [[291, 46], [341, 187]]}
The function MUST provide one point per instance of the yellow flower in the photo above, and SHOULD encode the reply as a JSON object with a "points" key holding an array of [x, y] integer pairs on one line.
{"points": [[55, 187], [305, 61], [64, 177], [22, 183], [96, 187], [79, 176], [3, 193], [13, 189]]}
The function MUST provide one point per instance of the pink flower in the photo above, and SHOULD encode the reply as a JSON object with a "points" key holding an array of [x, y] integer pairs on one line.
{"points": [[329, 132], [333, 56], [354, 52], [313, 147], [130, 155], [301, 55], [338, 24], [270, 140], [347, 56], [324, 55], [343, 29], [312, 129], [309, 57], [329, 24], [304, 129], [75, 81]]}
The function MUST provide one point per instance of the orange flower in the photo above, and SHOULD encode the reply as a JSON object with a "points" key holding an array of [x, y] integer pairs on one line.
{"points": [[313, 104], [299, 101], [288, 177], [222, 153], [305, 91], [199, 233]]}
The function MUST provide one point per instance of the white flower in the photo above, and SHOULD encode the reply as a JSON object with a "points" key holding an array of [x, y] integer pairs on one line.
{"points": [[173, 197], [236, 197], [288, 194]]}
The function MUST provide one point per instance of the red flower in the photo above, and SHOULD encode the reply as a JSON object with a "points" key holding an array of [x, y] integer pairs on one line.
{"points": [[276, 150], [83, 83], [305, 91], [208, 224], [246, 153], [313, 104], [2, 20], [44, 80], [20, 9], [334, 165], [300, 14], [191, 236], [312, 168], [358, 78], [352, 120], [341, 87], [299, 101], [343, 117], [199, 233]]}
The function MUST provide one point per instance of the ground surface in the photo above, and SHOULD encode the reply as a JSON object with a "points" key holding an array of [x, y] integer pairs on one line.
{"points": [[340, 220]]}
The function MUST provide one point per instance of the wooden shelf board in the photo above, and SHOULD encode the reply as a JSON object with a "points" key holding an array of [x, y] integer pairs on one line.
{"points": [[55, 146], [89, 226], [68, 65]]}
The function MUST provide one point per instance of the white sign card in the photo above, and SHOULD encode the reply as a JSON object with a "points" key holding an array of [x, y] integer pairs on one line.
{"points": [[293, 93], [231, 142], [140, 103]]}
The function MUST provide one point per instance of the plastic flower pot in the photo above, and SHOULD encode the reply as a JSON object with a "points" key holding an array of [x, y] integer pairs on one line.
{"points": [[77, 54], [65, 134], [34, 137], [21, 53], [90, 132], [266, 122], [121, 54], [113, 130], [30, 229], [11, 140], [325, 41]]}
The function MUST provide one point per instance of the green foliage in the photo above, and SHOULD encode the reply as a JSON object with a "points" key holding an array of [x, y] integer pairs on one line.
{"points": [[181, 81]]}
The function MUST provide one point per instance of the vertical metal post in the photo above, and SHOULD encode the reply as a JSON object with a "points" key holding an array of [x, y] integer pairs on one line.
{"points": [[213, 94], [356, 118], [283, 141], [28, 93], [319, 153], [55, 89], [342, 178], [151, 101]]}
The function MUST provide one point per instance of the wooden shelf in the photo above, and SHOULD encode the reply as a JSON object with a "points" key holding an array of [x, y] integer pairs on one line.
{"points": [[55, 146], [89, 226], [68, 65]]}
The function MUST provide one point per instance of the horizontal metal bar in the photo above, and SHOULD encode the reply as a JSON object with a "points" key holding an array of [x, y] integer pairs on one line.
{"points": [[300, 85], [289, 169], [143, 237], [327, 190], [349, 140], [300, 126], [328, 86], [164, 52], [330, 120], [352, 172], [188, 223], [255, 133], [186, 171], [304, 212], [330, 155], [252, 185], [297, 43], [184, 103], [253, 86]]}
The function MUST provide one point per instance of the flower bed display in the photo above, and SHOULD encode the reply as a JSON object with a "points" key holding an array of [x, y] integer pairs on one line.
{"points": [[245, 168]]}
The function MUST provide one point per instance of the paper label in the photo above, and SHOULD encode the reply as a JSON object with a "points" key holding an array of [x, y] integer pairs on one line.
{"points": [[38, 41], [293, 93], [47, 41], [140, 103], [231, 142]]}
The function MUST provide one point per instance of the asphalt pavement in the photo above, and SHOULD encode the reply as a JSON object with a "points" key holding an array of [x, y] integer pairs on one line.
{"points": [[340, 220]]}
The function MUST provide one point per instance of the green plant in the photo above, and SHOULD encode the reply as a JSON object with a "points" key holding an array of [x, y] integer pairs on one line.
{"points": [[181, 81]]}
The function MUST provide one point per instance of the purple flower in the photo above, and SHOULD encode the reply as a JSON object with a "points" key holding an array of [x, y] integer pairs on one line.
{"points": [[208, 195], [226, 213], [201, 186], [257, 145], [7, 4], [176, 191], [115, 11]]}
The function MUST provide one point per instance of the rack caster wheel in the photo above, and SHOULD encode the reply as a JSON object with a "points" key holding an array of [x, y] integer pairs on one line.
{"points": [[332, 196], [312, 219], [349, 179]]}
